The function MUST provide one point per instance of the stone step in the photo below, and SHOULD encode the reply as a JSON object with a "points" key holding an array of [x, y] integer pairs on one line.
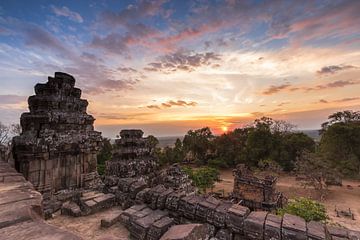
{"points": [[111, 218]]}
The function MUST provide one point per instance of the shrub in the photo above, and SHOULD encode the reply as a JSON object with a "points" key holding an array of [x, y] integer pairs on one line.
{"points": [[306, 208], [204, 177]]}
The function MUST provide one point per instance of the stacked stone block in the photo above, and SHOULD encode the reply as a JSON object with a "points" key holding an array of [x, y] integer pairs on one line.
{"points": [[58, 145], [225, 220], [131, 156]]}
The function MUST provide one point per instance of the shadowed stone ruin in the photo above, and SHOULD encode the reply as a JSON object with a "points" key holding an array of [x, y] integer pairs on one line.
{"points": [[58, 145], [256, 193], [131, 156]]}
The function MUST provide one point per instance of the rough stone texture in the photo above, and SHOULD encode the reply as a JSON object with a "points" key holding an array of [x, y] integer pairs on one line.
{"points": [[272, 227], [188, 206], [205, 209], [131, 156], [186, 232], [316, 231], [111, 218], [21, 210], [293, 228], [175, 178], [58, 145], [337, 232], [255, 193], [159, 227], [236, 217], [254, 225]]}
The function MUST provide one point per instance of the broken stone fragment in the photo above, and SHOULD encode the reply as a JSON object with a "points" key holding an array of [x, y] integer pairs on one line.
{"points": [[111, 218], [186, 232]]}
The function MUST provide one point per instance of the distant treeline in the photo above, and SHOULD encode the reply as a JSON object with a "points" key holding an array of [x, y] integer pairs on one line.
{"points": [[269, 143]]}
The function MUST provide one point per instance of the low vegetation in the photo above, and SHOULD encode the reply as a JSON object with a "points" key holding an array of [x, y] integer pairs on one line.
{"points": [[306, 208], [204, 177]]}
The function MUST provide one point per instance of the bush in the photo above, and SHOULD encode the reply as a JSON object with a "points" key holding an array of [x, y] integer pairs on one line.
{"points": [[306, 208], [204, 177]]}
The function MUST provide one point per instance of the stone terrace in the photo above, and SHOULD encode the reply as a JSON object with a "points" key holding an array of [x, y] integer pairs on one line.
{"points": [[21, 210]]}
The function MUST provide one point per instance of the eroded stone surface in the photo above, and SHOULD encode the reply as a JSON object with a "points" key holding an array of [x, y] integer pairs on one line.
{"points": [[186, 232], [21, 210], [58, 145]]}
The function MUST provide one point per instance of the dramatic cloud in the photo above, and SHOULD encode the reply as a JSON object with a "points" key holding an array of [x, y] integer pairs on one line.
{"points": [[349, 99], [276, 88], [336, 84], [334, 68], [143, 8], [40, 38], [126, 69], [171, 103], [66, 12], [182, 61], [137, 34]]}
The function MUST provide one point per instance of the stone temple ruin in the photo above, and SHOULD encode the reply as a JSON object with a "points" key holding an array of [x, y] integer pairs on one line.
{"points": [[255, 193], [131, 156], [57, 150], [58, 145]]}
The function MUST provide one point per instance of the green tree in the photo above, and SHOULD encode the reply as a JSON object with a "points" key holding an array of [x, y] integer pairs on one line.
{"points": [[151, 143], [340, 141], [317, 170], [199, 143], [306, 208], [104, 155], [204, 177]]}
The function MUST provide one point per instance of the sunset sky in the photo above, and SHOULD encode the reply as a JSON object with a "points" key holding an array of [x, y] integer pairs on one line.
{"points": [[171, 66]]}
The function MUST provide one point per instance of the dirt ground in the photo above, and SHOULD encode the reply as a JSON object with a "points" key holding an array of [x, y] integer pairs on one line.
{"points": [[343, 198], [88, 227]]}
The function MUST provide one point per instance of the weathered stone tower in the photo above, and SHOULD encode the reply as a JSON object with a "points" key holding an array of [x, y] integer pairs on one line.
{"points": [[131, 156], [58, 145]]}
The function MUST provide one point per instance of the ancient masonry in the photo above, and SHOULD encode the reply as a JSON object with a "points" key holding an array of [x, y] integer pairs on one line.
{"points": [[131, 156], [163, 213], [58, 145], [255, 193], [21, 210]]}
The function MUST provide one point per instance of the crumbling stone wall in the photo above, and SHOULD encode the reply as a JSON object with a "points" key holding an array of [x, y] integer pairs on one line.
{"points": [[58, 145], [131, 156], [159, 208], [255, 193]]}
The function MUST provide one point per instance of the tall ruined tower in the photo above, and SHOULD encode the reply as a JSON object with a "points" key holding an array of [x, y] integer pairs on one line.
{"points": [[58, 145]]}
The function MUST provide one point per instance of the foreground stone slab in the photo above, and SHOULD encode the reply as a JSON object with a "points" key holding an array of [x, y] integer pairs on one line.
{"points": [[272, 227], [316, 231], [186, 232], [111, 218], [254, 225], [293, 228], [21, 212]]}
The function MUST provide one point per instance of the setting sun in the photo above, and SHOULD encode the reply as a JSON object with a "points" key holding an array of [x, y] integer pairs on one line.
{"points": [[224, 128]]}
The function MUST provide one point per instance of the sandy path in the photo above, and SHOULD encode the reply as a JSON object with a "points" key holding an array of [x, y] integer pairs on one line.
{"points": [[342, 197], [88, 227]]}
